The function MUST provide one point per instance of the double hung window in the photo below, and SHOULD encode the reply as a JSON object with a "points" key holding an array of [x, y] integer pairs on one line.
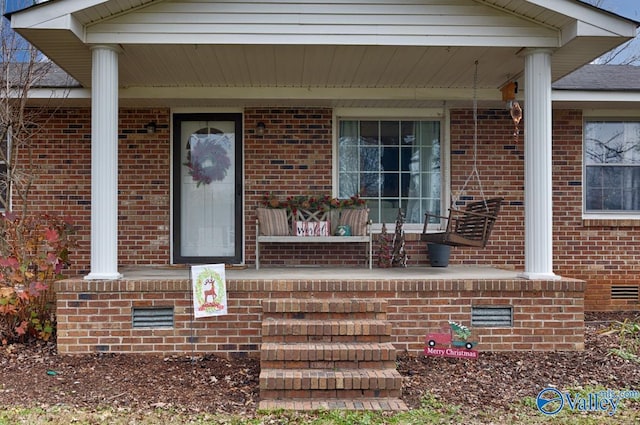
{"points": [[612, 166], [392, 164]]}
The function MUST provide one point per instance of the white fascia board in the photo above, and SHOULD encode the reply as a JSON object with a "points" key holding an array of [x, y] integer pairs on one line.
{"points": [[589, 22], [615, 113], [277, 93], [383, 113], [76, 28], [274, 93], [594, 96], [584, 29], [58, 93], [44, 14], [582, 12], [66, 22], [320, 39]]}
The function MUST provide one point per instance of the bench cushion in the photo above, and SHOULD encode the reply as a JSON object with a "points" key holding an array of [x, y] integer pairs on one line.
{"points": [[273, 221], [357, 219]]}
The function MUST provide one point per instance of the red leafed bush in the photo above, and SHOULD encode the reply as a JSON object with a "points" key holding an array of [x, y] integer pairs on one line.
{"points": [[34, 250]]}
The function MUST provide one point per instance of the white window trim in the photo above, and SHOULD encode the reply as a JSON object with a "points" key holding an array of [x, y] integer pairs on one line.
{"points": [[604, 114], [441, 114]]}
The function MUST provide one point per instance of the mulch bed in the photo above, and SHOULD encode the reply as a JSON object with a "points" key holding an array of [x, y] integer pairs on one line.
{"points": [[35, 375]]}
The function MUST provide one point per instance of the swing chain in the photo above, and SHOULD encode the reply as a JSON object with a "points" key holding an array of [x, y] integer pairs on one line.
{"points": [[474, 171]]}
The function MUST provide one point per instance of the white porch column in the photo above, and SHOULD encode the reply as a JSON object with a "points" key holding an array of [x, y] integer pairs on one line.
{"points": [[104, 163], [538, 193]]}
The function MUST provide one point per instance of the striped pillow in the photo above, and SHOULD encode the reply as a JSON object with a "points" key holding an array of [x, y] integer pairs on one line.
{"points": [[356, 218], [273, 221]]}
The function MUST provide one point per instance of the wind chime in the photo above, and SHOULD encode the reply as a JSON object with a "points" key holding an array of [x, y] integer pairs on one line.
{"points": [[509, 91]]}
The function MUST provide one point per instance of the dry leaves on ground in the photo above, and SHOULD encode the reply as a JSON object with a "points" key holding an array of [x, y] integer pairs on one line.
{"points": [[35, 375]]}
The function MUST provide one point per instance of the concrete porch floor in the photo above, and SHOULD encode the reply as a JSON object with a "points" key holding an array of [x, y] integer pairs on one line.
{"points": [[452, 272]]}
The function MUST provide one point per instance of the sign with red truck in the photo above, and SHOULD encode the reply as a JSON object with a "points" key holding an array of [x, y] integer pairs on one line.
{"points": [[451, 341]]}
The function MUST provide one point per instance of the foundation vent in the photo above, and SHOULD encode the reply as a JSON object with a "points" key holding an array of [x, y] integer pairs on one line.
{"points": [[157, 317], [624, 292], [492, 316]]}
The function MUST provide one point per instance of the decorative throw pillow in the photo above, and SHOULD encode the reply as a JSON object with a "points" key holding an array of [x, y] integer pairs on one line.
{"points": [[273, 221], [357, 219]]}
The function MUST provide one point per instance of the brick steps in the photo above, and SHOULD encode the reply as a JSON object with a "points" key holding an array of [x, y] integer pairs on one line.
{"points": [[324, 309], [334, 404], [297, 330], [319, 355], [328, 354], [331, 383]]}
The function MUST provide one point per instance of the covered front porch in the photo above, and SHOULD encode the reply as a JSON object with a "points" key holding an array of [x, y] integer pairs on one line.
{"points": [[150, 309], [275, 62]]}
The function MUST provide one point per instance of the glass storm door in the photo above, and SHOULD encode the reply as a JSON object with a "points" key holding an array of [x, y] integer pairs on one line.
{"points": [[207, 182]]}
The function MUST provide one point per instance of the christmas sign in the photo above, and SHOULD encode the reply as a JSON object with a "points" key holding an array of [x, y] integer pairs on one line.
{"points": [[209, 290], [451, 341]]}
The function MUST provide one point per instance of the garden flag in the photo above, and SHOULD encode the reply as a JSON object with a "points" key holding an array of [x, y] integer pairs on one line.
{"points": [[209, 290]]}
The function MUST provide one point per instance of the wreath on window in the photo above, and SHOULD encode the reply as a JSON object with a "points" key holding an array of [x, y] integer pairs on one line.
{"points": [[207, 160]]}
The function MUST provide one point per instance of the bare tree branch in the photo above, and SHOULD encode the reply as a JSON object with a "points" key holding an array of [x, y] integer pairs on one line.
{"points": [[625, 54], [22, 67]]}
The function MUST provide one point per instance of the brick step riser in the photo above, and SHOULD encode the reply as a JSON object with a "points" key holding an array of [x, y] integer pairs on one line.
{"points": [[328, 352], [372, 404], [328, 394], [330, 380], [325, 316], [327, 338], [292, 364], [324, 306], [275, 328]]}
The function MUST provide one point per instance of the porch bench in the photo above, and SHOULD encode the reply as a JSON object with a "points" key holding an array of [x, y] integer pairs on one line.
{"points": [[288, 238]]}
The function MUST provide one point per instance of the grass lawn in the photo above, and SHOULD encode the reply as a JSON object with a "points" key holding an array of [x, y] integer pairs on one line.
{"points": [[432, 412]]}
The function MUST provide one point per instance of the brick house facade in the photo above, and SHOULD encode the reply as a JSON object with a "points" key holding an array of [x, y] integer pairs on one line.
{"points": [[295, 157], [296, 67]]}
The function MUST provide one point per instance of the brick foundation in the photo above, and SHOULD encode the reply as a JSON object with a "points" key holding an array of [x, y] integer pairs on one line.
{"points": [[96, 316]]}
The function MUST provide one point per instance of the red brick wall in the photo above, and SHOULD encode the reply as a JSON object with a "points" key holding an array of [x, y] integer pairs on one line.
{"points": [[294, 156], [500, 166], [62, 171], [602, 252], [63, 186], [96, 316], [144, 209]]}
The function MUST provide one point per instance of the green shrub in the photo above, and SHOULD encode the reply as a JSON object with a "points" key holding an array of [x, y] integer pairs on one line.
{"points": [[628, 333], [34, 251]]}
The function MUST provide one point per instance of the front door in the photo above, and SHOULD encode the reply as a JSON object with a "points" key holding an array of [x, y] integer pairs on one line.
{"points": [[207, 182]]}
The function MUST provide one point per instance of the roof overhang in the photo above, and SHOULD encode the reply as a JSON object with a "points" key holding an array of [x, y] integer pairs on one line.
{"points": [[269, 51], [590, 99]]}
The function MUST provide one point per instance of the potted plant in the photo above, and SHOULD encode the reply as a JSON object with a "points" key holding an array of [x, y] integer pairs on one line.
{"points": [[438, 254]]}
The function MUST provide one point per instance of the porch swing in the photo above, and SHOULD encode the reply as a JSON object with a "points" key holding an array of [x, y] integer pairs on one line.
{"points": [[471, 226]]}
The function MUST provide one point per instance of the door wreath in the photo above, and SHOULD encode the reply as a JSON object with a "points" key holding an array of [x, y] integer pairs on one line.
{"points": [[207, 159]]}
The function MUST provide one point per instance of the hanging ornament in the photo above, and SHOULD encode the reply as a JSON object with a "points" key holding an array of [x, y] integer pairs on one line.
{"points": [[516, 116]]}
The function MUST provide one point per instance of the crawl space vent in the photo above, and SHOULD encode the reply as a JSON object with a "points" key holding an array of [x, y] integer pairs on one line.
{"points": [[492, 316], [161, 317], [624, 292]]}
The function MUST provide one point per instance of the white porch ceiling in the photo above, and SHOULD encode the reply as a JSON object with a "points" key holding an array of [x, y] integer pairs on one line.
{"points": [[315, 66]]}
